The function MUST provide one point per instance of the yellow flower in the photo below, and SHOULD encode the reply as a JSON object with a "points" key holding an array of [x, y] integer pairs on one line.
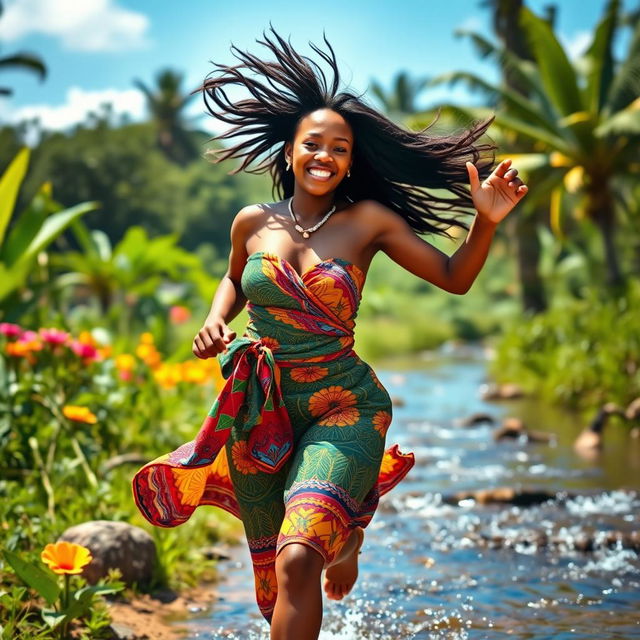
{"points": [[125, 362], [79, 414], [193, 372], [146, 338], [66, 557], [168, 375]]}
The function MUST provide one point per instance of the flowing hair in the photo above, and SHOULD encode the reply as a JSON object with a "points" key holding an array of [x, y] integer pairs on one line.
{"points": [[395, 166]]}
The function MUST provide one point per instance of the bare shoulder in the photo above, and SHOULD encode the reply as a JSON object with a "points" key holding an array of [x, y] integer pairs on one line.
{"points": [[244, 224], [380, 219]]}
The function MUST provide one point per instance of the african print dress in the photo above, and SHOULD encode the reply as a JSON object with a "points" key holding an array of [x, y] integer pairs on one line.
{"points": [[294, 444]]}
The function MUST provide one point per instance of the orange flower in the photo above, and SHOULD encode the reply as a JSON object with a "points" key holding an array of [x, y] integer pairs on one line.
{"points": [[332, 296], [308, 374], [85, 337], [381, 422], [66, 557], [335, 403], [265, 580], [193, 372], [168, 375], [272, 343], [241, 460], [389, 463], [79, 414], [146, 338]]}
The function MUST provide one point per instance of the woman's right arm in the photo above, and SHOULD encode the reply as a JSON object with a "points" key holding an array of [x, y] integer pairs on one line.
{"points": [[229, 299]]}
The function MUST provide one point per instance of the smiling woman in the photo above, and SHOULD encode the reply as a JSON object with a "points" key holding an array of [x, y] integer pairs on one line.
{"points": [[295, 443]]}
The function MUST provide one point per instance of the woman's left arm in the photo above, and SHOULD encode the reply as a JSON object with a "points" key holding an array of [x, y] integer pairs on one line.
{"points": [[493, 199]]}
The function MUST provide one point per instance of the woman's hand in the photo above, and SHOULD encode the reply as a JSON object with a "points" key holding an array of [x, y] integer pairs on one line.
{"points": [[498, 194], [212, 339]]}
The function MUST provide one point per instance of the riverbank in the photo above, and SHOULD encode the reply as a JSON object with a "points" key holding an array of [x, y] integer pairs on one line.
{"points": [[155, 616]]}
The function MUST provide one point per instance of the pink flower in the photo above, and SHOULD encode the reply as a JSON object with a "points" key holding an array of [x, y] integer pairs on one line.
{"points": [[29, 336], [10, 330], [179, 314], [54, 336], [86, 351]]}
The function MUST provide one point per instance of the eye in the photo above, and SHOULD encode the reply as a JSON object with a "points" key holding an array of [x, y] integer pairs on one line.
{"points": [[309, 143], [342, 149]]}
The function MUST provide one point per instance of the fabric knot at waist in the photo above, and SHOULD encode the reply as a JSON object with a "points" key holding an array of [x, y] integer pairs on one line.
{"points": [[252, 400]]}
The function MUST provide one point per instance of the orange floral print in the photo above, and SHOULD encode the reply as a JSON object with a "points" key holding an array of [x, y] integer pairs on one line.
{"points": [[388, 465], [335, 404], [270, 342], [376, 380], [266, 587], [308, 374], [241, 459], [381, 422]]}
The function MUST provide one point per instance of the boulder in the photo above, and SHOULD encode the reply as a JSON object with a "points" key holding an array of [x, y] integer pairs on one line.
{"points": [[115, 545]]}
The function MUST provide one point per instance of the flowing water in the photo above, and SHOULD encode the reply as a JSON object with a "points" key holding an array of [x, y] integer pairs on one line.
{"points": [[433, 567]]}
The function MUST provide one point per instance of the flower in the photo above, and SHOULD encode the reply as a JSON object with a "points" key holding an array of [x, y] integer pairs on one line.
{"points": [[147, 352], [146, 338], [308, 373], [66, 557], [179, 314], [79, 414], [85, 350], [85, 337], [381, 422], [193, 372], [54, 336], [335, 405], [10, 330], [241, 459], [168, 375], [125, 362]]}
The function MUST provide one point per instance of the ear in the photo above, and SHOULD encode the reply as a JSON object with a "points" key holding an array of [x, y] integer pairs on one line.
{"points": [[287, 151]]}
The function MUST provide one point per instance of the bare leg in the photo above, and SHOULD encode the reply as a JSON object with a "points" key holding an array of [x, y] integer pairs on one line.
{"points": [[298, 611], [342, 573]]}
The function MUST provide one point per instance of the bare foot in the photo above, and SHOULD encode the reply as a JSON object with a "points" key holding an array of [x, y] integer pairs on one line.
{"points": [[342, 573]]}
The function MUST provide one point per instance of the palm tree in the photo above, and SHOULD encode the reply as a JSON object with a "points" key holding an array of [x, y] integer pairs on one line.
{"points": [[583, 120], [21, 60], [400, 100], [166, 103]]}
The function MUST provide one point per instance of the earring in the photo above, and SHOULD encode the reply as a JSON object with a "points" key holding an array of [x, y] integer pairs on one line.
{"points": [[349, 173], [288, 165]]}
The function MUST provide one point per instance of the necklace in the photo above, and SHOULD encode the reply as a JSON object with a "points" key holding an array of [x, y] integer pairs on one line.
{"points": [[307, 232]]}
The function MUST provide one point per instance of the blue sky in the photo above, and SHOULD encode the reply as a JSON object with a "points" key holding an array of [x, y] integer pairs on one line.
{"points": [[95, 48]]}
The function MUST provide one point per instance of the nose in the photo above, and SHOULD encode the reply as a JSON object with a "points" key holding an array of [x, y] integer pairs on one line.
{"points": [[323, 155]]}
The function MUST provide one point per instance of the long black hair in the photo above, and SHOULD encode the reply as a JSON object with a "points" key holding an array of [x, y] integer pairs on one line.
{"points": [[395, 166]]}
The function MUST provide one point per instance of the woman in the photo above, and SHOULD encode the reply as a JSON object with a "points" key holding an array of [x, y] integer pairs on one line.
{"points": [[294, 444]]}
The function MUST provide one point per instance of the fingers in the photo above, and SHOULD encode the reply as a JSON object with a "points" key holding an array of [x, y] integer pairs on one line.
{"points": [[504, 170], [212, 340], [474, 179]]}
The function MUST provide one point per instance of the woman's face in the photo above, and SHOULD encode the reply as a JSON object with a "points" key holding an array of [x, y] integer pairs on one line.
{"points": [[321, 152]]}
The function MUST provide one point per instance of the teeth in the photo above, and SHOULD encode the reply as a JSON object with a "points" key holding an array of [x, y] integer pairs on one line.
{"points": [[320, 173]]}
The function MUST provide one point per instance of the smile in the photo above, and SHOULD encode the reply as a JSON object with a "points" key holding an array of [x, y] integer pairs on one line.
{"points": [[320, 174]]}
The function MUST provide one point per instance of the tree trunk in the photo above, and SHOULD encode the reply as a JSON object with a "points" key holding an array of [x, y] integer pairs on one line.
{"points": [[506, 14], [528, 256]]}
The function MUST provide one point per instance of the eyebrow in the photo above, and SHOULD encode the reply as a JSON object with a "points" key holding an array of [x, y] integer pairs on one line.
{"points": [[315, 134]]}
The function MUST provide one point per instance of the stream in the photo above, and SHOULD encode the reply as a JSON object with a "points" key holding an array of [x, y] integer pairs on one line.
{"points": [[433, 567]]}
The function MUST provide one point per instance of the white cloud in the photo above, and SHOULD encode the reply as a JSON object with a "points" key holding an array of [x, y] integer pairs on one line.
{"points": [[576, 44], [76, 107], [85, 25], [471, 23]]}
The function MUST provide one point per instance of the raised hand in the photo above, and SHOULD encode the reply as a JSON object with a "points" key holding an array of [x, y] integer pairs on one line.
{"points": [[499, 193]]}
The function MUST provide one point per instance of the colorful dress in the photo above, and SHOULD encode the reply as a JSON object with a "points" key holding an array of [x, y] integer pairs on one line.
{"points": [[294, 444]]}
